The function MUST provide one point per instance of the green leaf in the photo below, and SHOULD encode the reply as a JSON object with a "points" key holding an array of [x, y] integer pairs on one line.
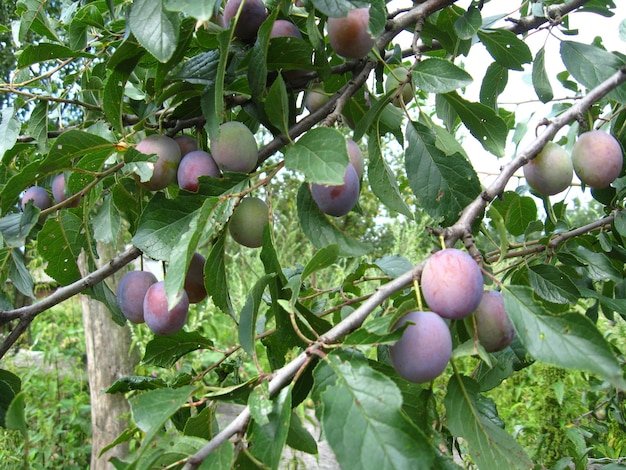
{"points": [[439, 76], [33, 19], [38, 125], [516, 211], [338, 8], [552, 284], [107, 222], [299, 438], [249, 312], [482, 122], [277, 105], [19, 273], [570, 341], [444, 184], [321, 232], [541, 82], [136, 382], [202, 11], [164, 351], [45, 51], [468, 23], [122, 63], [212, 99], [9, 130], [220, 459], [155, 28], [215, 277], [491, 447], [15, 417], [494, 83], [199, 69], [376, 331], [324, 257], [10, 386], [60, 242], [360, 408], [598, 265], [321, 154], [506, 48]]}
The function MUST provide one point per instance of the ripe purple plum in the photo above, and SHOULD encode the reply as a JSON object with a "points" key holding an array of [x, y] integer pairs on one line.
{"points": [[168, 159], [452, 283], [399, 79], [194, 280], [252, 15], [356, 157], [161, 320], [551, 171], [338, 200], [193, 165], [284, 28], [38, 196], [425, 348], [597, 157], [235, 148], [493, 325], [248, 222], [131, 292], [186, 143], [315, 97], [349, 36], [60, 192]]}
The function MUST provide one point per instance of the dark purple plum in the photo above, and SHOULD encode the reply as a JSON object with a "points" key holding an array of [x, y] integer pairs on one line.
{"points": [[349, 36], [598, 158], [131, 292], [452, 283], [235, 148], [425, 348], [338, 200], [161, 320], [493, 325], [193, 165], [38, 196], [168, 159], [60, 192], [186, 143], [284, 28], [248, 222], [252, 15], [194, 280], [356, 157]]}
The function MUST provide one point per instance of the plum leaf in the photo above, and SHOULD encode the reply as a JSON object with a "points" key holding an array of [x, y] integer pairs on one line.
{"points": [[494, 82], [552, 284], [506, 48], [155, 28], [61, 240], [439, 76], [164, 351], [540, 79], [10, 386]]}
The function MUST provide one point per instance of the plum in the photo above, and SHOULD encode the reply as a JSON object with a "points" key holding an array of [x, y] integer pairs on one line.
{"points": [[349, 36], [186, 143], [338, 200], [235, 148], [356, 157], [193, 165], [161, 320], [131, 291], [452, 283], [194, 280], [493, 325], [551, 171], [60, 192], [168, 159], [597, 157], [248, 221], [252, 15], [38, 196], [315, 97], [399, 79], [284, 28], [425, 348]]}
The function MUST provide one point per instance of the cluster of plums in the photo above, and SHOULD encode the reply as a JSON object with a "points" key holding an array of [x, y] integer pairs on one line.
{"points": [[39, 196], [452, 285], [141, 298], [596, 158]]}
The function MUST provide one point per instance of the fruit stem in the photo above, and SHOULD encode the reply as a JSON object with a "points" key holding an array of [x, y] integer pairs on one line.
{"points": [[418, 296]]}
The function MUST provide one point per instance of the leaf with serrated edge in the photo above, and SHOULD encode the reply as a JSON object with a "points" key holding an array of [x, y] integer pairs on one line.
{"points": [[164, 351]]}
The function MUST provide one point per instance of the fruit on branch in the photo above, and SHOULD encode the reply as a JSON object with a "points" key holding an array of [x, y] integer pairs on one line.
{"points": [[356, 157], [168, 158], [252, 15], [193, 165], [235, 148], [425, 348], [284, 28], [551, 171], [194, 280], [338, 200], [597, 157], [452, 283], [161, 320], [248, 221], [131, 292], [315, 97], [38, 196], [60, 191], [349, 36], [493, 325], [186, 143], [399, 79]]}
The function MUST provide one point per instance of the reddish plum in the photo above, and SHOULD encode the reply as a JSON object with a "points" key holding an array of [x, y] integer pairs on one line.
{"points": [[493, 325], [161, 320], [349, 36], [194, 280], [131, 292], [338, 200], [38, 196], [597, 157], [168, 159], [193, 165]]}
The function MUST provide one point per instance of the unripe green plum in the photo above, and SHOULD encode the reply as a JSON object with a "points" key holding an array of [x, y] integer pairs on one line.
{"points": [[425, 348], [161, 320], [248, 221], [400, 75], [131, 292], [194, 280], [315, 97], [235, 148], [186, 143], [60, 192], [168, 158], [252, 15], [349, 36], [551, 171], [338, 200], [193, 165], [38, 196], [493, 325], [597, 157], [452, 283], [356, 157]]}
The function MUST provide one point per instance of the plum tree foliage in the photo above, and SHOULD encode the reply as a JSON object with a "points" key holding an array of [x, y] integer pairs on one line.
{"points": [[113, 94]]}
